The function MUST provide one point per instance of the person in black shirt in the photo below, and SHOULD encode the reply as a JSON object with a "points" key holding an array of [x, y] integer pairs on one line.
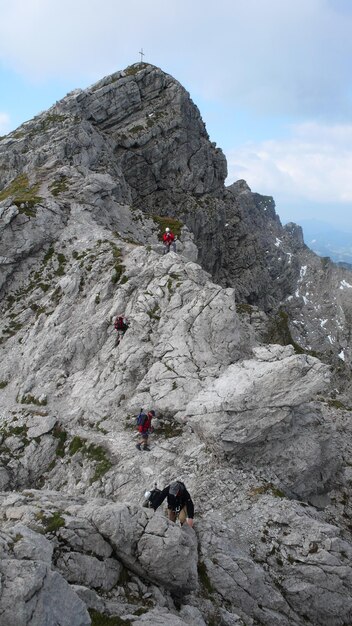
{"points": [[179, 503]]}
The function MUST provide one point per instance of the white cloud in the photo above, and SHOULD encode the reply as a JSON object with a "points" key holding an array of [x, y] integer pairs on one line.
{"points": [[4, 123], [48, 39], [268, 55], [313, 165], [272, 59]]}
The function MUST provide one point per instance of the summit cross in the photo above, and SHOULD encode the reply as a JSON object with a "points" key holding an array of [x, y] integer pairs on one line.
{"points": [[142, 54]]}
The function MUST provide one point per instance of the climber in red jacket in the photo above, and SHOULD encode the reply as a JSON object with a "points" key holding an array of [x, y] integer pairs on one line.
{"points": [[169, 241]]}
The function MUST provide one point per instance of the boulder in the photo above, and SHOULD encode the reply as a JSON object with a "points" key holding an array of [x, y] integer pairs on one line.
{"points": [[33, 594], [150, 545], [256, 413]]}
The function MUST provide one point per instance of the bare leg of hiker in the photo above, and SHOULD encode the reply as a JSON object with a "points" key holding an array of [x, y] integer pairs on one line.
{"points": [[143, 443], [183, 515]]}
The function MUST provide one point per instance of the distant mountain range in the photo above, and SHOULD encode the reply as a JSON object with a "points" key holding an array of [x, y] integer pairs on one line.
{"points": [[324, 240]]}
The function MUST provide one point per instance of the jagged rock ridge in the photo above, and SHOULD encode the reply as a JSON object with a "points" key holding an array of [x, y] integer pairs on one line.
{"points": [[85, 188], [136, 139]]}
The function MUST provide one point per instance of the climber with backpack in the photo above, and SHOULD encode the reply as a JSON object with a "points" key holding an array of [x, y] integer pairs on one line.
{"points": [[179, 502], [121, 324], [144, 427], [169, 241]]}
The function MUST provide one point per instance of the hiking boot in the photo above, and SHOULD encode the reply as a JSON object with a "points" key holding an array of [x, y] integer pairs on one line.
{"points": [[138, 446], [146, 448]]}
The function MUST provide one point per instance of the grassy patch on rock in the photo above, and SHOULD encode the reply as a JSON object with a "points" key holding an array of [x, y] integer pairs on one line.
{"points": [[103, 463], [56, 295], [279, 332], [76, 444], [170, 222], [17, 431], [136, 129], [267, 488], [48, 255], [325, 262], [131, 70], [100, 619], [119, 268], [153, 313], [50, 523], [29, 399], [59, 186], [12, 328], [118, 272], [24, 195], [92, 452], [38, 310], [204, 579], [337, 404], [61, 435], [62, 263], [52, 119], [169, 430], [244, 308]]}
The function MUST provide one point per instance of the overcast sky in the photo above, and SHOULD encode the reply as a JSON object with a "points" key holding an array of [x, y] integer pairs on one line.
{"points": [[272, 79]]}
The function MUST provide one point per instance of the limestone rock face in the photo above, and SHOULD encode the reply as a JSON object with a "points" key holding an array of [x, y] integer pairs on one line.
{"points": [[233, 340], [146, 105], [32, 593], [150, 545], [273, 531], [308, 298], [254, 404]]}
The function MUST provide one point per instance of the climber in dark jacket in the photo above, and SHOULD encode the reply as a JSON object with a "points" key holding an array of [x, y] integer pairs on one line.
{"points": [[179, 503], [121, 324]]}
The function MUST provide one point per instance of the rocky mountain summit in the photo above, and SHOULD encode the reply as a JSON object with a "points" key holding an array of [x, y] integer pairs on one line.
{"points": [[239, 341]]}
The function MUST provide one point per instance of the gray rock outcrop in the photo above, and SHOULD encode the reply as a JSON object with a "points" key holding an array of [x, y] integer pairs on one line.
{"points": [[33, 594]]}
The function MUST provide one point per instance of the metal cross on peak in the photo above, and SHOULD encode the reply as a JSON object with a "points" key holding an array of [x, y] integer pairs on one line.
{"points": [[142, 54]]}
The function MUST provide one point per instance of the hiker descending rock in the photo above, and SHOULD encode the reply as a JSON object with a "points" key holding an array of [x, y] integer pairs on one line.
{"points": [[121, 324], [144, 426], [179, 503], [169, 241]]}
